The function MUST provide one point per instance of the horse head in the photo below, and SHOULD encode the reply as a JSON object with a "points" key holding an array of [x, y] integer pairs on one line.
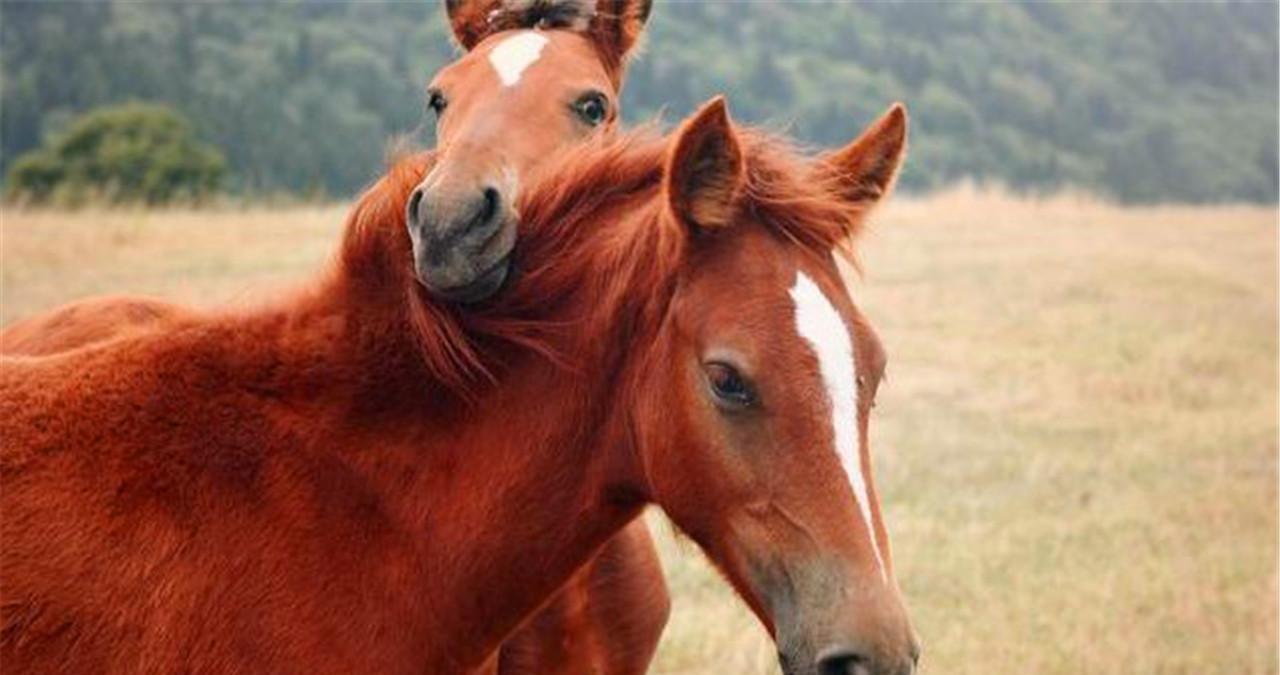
{"points": [[537, 75], [752, 408]]}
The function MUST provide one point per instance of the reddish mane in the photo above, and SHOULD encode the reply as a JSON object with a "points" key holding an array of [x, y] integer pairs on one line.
{"points": [[566, 259]]}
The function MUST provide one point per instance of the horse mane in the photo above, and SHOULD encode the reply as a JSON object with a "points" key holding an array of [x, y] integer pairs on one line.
{"points": [[569, 199], [596, 242], [572, 15], [376, 256]]}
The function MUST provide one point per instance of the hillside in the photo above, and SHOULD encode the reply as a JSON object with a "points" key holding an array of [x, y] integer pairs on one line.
{"points": [[1141, 102]]}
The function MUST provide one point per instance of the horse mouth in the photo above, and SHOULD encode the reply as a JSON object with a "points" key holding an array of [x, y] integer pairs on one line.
{"points": [[471, 271], [482, 287]]}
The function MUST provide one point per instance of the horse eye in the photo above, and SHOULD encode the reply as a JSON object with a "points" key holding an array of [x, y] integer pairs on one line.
{"points": [[593, 108], [729, 387], [436, 101]]}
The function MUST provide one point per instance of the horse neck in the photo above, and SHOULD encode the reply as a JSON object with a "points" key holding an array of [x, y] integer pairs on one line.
{"points": [[543, 469], [510, 490], [500, 497]]}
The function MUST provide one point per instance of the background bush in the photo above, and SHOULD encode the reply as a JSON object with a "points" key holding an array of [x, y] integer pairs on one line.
{"points": [[133, 152]]}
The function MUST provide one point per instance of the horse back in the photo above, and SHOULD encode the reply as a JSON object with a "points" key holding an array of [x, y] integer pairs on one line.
{"points": [[86, 322]]}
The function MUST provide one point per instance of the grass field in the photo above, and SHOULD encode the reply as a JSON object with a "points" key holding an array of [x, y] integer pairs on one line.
{"points": [[1076, 445]]}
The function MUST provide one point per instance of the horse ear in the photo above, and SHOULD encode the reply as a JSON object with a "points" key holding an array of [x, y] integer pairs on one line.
{"points": [[616, 28], [470, 20], [864, 170], [704, 170]]}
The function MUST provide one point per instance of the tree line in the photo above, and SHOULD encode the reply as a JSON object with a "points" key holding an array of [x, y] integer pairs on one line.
{"points": [[1142, 102]]}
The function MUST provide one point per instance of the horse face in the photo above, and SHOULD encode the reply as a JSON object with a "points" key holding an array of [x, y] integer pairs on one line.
{"points": [[513, 99], [764, 411]]}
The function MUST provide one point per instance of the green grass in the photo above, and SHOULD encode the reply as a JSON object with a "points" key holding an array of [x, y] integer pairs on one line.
{"points": [[1076, 445]]}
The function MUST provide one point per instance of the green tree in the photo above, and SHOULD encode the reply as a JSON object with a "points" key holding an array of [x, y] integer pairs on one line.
{"points": [[132, 152], [1139, 101]]}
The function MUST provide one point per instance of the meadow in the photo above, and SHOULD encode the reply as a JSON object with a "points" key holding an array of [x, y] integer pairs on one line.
{"points": [[1076, 445]]}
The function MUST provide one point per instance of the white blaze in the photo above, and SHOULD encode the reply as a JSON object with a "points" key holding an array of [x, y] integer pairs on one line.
{"points": [[818, 322], [515, 54]]}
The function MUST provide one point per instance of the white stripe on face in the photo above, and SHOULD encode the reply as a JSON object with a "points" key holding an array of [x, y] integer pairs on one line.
{"points": [[515, 54], [818, 322]]}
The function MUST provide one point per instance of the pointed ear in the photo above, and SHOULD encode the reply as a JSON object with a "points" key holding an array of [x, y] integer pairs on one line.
{"points": [[864, 170], [470, 20], [704, 170], [616, 28]]}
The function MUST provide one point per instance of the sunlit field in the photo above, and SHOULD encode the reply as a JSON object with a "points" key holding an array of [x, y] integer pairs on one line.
{"points": [[1076, 444]]}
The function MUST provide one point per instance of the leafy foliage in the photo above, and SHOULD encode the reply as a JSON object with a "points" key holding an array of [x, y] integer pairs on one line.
{"points": [[1140, 101], [132, 152]]}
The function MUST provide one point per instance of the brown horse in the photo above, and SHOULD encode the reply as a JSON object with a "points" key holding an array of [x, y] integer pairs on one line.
{"points": [[517, 96], [609, 617], [305, 488]]}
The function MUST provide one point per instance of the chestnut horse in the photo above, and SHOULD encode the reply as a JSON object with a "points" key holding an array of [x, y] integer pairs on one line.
{"points": [[518, 95], [303, 488], [609, 617]]}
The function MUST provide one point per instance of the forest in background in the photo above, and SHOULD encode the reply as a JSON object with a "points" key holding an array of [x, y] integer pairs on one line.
{"points": [[1141, 102]]}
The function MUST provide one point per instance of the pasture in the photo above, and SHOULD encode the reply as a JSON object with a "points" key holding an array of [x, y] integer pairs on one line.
{"points": [[1076, 445]]}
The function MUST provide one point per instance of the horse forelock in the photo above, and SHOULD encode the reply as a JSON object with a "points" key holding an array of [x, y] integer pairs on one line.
{"points": [[572, 15], [614, 29], [787, 193]]}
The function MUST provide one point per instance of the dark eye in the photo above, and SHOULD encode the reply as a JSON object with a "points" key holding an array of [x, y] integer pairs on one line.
{"points": [[592, 108], [730, 388], [436, 101]]}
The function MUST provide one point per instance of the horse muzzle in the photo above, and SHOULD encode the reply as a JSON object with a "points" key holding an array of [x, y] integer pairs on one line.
{"points": [[826, 623], [847, 659], [462, 244]]}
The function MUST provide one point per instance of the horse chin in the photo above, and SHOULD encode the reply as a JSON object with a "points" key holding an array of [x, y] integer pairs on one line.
{"points": [[481, 288], [474, 289], [794, 658], [465, 272]]}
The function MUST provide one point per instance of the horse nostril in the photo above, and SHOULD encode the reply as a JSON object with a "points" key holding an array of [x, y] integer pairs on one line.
{"points": [[841, 661], [492, 199], [415, 200]]}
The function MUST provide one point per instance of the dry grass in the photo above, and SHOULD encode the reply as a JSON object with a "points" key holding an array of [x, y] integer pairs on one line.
{"points": [[202, 257], [1076, 444]]}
